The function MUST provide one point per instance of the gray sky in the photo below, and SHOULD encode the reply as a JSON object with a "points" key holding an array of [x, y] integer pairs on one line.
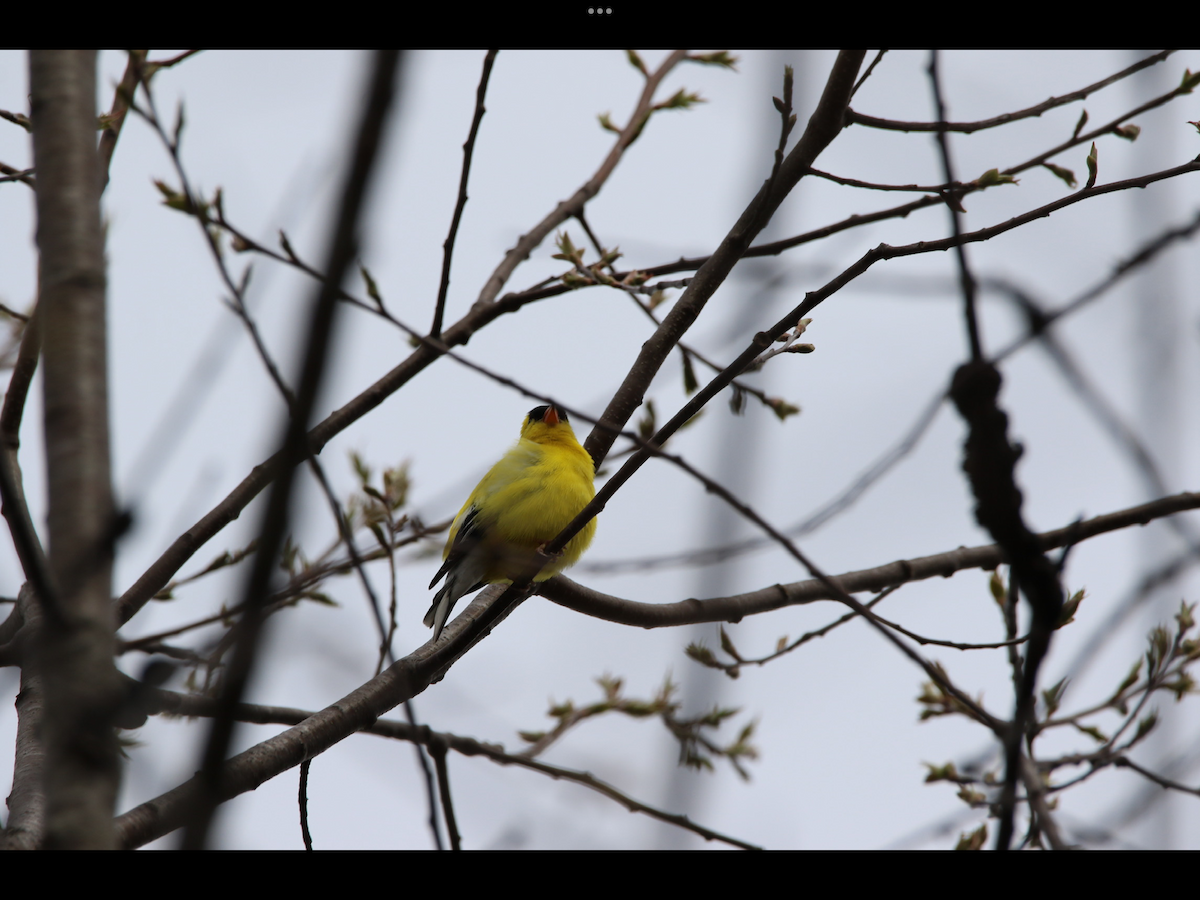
{"points": [[842, 750]]}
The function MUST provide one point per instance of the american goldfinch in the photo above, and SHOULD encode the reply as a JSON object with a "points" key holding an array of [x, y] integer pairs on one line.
{"points": [[523, 502]]}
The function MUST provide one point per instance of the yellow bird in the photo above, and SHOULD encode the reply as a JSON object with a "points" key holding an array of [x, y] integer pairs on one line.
{"points": [[523, 502]]}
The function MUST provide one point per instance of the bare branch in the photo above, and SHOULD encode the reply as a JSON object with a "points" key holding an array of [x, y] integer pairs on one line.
{"points": [[484, 311], [27, 800], [1126, 762], [573, 205], [181, 704], [15, 509], [343, 247], [867, 74], [823, 127], [954, 206], [25, 176], [115, 120], [571, 595], [468, 150], [437, 749], [304, 832], [1032, 111]]}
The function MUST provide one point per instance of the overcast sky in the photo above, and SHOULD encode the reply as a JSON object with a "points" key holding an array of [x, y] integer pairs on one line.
{"points": [[842, 750]]}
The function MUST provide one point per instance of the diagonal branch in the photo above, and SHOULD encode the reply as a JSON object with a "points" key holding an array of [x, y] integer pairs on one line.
{"points": [[343, 247], [824, 125], [422, 735], [409, 676], [575, 203], [858, 118], [485, 310], [115, 120]]}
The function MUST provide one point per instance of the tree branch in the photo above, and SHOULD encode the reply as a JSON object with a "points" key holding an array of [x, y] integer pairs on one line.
{"points": [[185, 705], [857, 118], [484, 311], [823, 127], [27, 800], [468, 149], [343, 247], [589, 602]]}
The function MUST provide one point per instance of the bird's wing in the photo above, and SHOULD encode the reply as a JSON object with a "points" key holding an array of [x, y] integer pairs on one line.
{"points": [[469, 561], [465, 569], [468, 535]]}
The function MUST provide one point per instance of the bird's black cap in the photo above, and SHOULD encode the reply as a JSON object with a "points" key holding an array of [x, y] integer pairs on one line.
{"points": [[538, 414]]}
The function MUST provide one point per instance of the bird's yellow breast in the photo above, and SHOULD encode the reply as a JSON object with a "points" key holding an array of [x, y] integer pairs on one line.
{"points": [[528, 497]]}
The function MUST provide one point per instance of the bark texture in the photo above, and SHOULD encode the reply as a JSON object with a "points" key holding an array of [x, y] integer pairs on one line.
{"points": [[75, 645]]}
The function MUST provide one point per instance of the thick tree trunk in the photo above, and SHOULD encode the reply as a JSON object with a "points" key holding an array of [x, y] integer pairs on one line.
{"points": [[75, 658]]}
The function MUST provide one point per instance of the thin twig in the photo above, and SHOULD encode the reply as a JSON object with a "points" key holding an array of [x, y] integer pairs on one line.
{"points": [[905, 445], [15, 508], [140, 825], [867, 74], [1127, 763], [824, 125], [874, 186], [955, 645], [843, 501], [1035, 796], [1032, 111], [734, 667], [468, 150], [153, 579], [437, 749], [157, 64], [304, 832], [485, 310], [571, 206], [135, 70], [25, 176], [954, 206]]}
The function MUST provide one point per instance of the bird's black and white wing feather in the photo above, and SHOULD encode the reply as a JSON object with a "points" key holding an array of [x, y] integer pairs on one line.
{"points": [[465, 567]]}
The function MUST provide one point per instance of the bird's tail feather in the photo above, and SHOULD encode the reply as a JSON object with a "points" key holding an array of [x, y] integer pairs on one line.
{"points": [[443, 603]]}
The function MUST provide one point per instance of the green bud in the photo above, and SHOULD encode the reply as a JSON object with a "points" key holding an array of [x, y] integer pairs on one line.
{"points": [[973, 841], [1079, 125], [782, 408], [720, 58], [1062, 172], [993, 177], [690, 384], [997, 588], [1093, 166]]}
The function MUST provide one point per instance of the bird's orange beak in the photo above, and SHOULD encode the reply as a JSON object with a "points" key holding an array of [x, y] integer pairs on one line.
{"points": [[551, 416]]}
